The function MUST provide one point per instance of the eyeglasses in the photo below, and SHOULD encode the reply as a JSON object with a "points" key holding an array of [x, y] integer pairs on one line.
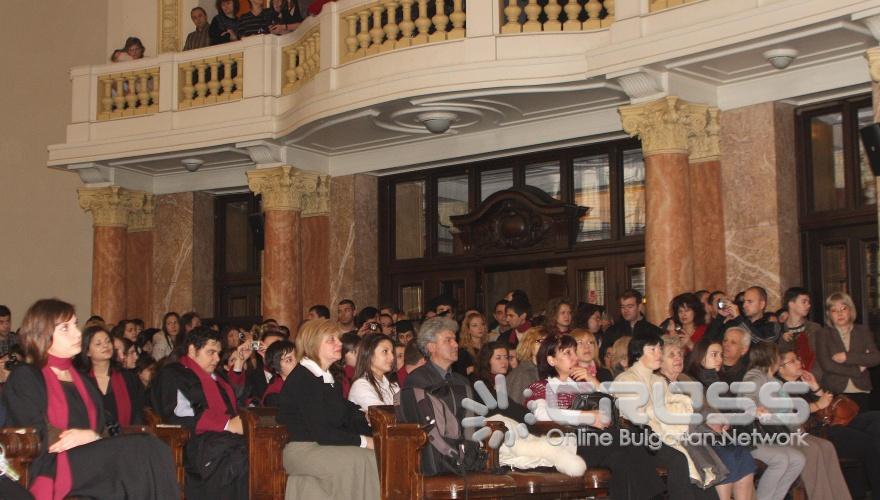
{"points": [[790, 361]]}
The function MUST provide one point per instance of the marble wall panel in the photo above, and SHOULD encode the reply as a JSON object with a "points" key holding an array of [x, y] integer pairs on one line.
{"points": [[172, 255], [354, 245], [139, 275], [203, 254], [315, 251], [707, 212], [760, 200], [108, 273]]}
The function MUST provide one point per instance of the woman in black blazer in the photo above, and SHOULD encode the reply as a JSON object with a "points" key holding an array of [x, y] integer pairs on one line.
{"points": [[330, 448]]}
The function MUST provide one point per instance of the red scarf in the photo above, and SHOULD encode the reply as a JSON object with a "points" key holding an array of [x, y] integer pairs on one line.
{"points": [[44, 488], [216, 416], [120, 394], [273, 388]]}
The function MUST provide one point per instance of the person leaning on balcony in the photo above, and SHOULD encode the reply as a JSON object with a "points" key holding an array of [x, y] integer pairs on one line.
{"points": [[330, 449], [200, 37], [224, 26], [255, 22], [282, 19], [845, 351]]}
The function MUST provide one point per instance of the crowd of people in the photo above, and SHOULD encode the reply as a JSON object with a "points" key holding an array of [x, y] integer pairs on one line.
{"points": [[95, 382]]}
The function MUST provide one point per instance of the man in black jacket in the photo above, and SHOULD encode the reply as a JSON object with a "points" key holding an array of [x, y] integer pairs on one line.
{"points": [[632, 322], [752, 318]]}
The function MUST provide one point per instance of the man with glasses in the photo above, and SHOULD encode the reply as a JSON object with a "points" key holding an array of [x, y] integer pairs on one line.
{"points": [[632, 321]]}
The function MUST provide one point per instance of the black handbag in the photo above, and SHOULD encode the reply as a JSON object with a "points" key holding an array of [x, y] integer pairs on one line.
{"points": [[592, 401]]}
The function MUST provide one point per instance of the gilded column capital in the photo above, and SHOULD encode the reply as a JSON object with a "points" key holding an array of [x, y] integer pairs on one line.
{"points": [[705, 145], [873, 57], [140, 217], [664, 125], [289, 188], [110, 206]]}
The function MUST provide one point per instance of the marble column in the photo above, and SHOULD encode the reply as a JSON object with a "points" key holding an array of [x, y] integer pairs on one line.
{"points": [[288, 195], [354, 240], [664, 127], [707, 206], [110, 207], [139, 262]]}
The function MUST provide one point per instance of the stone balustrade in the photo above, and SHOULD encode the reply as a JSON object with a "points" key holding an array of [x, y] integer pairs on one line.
{"points": [[301, 61], [656, 5], [128, 94], [211, 80], [387, 25], [556, 15]]}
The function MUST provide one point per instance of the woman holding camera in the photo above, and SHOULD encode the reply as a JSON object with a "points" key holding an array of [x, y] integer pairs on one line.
{"points": [[49, 394]]}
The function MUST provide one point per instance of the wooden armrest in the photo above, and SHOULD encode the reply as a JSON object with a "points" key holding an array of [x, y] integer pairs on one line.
{"points": [[398, 452], [175, 436], [21, 445], [266, 439], [493, 460], [136, 429]]}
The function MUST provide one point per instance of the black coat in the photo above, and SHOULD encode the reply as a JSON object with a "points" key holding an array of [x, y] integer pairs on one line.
{"points": [[175, 377]]}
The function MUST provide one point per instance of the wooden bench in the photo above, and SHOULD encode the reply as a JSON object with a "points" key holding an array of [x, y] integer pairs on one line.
{"points": [[265, 440], [398, 450]]}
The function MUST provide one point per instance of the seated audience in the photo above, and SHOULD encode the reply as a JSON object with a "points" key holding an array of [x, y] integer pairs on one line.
{"points": [[859, 440], [329, 438], [224, 26], [412, 359], [526, 371], [845, 351], [436, 338], [798, 332], [784, 463], [259, 376], [191, 392], [688, 315], [703, 365], [734, 354], [280, 358], [472, 336], [686, 476], [589, 317], [375, 360], [499, 316], [165, 340], [404, 331], [518, 323], [47, 393], [121, 392], [125, 353], [632, 321], [588, 368], [200, 37], [633, 474], [558, 317], [319, 312], [618, 362], [344, 368]]}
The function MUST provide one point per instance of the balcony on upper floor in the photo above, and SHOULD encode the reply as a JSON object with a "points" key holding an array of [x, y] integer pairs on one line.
{"points": [[353, 89]]}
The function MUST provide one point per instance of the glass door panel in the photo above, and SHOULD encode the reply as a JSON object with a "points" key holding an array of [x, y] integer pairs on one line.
{"points": [[546, 177]]}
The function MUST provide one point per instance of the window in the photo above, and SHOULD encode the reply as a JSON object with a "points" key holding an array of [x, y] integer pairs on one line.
{"points": [[545, 176], [633, 192], [452, 199], [492, 181], [409, 219], [592, 189]]}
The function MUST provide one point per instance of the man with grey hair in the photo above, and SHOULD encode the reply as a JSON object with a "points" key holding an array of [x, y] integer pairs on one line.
{"points": [[436, 339], [734, 354]]}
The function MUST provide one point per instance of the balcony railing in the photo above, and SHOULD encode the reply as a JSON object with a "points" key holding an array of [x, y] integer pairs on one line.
{"points": [[574, 15]]}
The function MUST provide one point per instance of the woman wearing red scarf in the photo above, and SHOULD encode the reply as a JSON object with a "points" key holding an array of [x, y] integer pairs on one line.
{"points": [[47, 393], [120, 392]]}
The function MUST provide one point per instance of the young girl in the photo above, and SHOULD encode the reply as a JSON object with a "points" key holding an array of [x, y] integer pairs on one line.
{"points": [[374, 361]]}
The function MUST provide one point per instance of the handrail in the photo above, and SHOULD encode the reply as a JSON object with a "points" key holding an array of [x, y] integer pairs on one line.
{"points": [[575, 15]]}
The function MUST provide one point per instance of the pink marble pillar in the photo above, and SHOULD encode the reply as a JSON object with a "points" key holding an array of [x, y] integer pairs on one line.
{"points": [[281, 292], [315, 251], [108, 273], [707, 214], [139, 275], [669, 256]]}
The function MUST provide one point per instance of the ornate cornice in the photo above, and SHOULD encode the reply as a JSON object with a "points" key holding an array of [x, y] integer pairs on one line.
{"points": [[140, 218], [288, 188], [873, 57], [664, 125], [111, 206], [705, 145]]}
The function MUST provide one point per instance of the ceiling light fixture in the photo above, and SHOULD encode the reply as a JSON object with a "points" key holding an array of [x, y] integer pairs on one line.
{"points": [[437, 122], [780, 58], [192, 164]]}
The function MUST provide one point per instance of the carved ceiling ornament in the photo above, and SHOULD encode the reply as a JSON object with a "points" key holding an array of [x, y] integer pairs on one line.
{"points": [[873, 57], [289, 188], [518, 220], [705, 145], [169, 26], [111, 206], [664, 125]]}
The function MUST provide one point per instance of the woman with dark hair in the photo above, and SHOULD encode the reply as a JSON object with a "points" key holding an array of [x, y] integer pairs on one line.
{"points": [[588, 317], [281, 360], [125, 353], [121, 393], [557, 319], [224, 26], [145, 340], [49, 394], [492, 360], [688, 315], [165, 341], [375, 360], [282, 19], [134, 48], [633, 470], [345, 367], [703, 365]]}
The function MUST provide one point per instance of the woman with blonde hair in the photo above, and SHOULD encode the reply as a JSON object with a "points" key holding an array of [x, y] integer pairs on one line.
{"points": [[329, 450], [619, 353], [845, 351], [588, 368], [526, 371], [472, 337]]}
